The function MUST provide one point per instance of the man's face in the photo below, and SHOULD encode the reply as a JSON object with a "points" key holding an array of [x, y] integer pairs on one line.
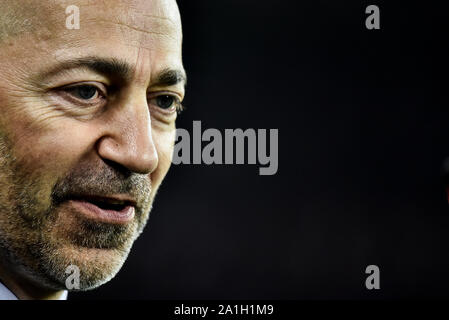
{"points": [[86, 134]]}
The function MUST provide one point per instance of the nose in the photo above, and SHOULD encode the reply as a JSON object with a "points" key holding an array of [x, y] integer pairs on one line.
{"points": [[127, 139]]}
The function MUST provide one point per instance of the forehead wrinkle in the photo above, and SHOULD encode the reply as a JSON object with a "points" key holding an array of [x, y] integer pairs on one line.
{"points": [[158, 17], [143, 30], [158, 20]]}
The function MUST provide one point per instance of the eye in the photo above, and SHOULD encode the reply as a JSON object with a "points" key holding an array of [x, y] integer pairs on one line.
{"points": [[167, 102], [84, 92]]}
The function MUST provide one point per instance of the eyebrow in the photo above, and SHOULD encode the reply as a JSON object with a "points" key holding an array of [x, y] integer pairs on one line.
{"points": [[171, 77], [116, 68]]}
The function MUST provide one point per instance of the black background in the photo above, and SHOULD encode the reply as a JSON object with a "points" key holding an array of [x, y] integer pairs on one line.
{"points": [[363, 132]]}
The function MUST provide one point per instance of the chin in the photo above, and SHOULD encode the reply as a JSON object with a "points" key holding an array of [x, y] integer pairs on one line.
{"points": [[96, 266], [98, 253]]}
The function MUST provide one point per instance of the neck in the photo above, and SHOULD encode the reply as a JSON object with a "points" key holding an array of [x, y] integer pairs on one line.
{"points": [[26, 290]]}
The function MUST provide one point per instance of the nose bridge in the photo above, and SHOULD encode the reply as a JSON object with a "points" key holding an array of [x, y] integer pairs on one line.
{"points": [[129, 140]]}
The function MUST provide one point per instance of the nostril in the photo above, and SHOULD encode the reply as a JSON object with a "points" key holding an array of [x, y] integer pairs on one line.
{"points": [[123, 171]]}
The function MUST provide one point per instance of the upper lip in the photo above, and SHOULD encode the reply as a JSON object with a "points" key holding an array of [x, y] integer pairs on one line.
{"points": [[113, 199]]}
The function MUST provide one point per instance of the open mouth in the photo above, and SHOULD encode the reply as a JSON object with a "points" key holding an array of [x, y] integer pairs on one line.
{"points": [[105, 209], [109, 204]]}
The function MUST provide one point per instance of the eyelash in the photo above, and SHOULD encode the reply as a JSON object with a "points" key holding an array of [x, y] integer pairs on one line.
{"points": [[179, 107], [69, 90]]}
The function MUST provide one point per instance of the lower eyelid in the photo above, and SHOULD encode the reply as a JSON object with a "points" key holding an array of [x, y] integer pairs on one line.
{"points": [[163, 113], [68, 98]]}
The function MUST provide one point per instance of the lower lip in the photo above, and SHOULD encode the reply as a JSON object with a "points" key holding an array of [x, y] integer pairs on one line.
{"points": [[103, 215]]}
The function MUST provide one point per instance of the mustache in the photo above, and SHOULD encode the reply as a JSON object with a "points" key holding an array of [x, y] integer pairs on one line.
{"points": [[102, 180]]}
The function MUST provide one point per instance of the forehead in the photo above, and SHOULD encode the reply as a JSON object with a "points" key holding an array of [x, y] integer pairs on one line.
{"points": [[137, 22], [130, 30]]}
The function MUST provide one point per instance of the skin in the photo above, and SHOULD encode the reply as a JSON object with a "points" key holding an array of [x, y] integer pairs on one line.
{"points": [[55, 143]]}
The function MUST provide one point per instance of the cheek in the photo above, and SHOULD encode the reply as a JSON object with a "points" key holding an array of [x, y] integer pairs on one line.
{"points": [[45, 155], [54, 147], [40, 135]]}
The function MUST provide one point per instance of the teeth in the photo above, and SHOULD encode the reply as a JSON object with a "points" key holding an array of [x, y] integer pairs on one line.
{"points": [[113, 201]]}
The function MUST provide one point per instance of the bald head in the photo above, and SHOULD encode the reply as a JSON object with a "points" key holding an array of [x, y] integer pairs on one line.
{"points": [[45, 17]]}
